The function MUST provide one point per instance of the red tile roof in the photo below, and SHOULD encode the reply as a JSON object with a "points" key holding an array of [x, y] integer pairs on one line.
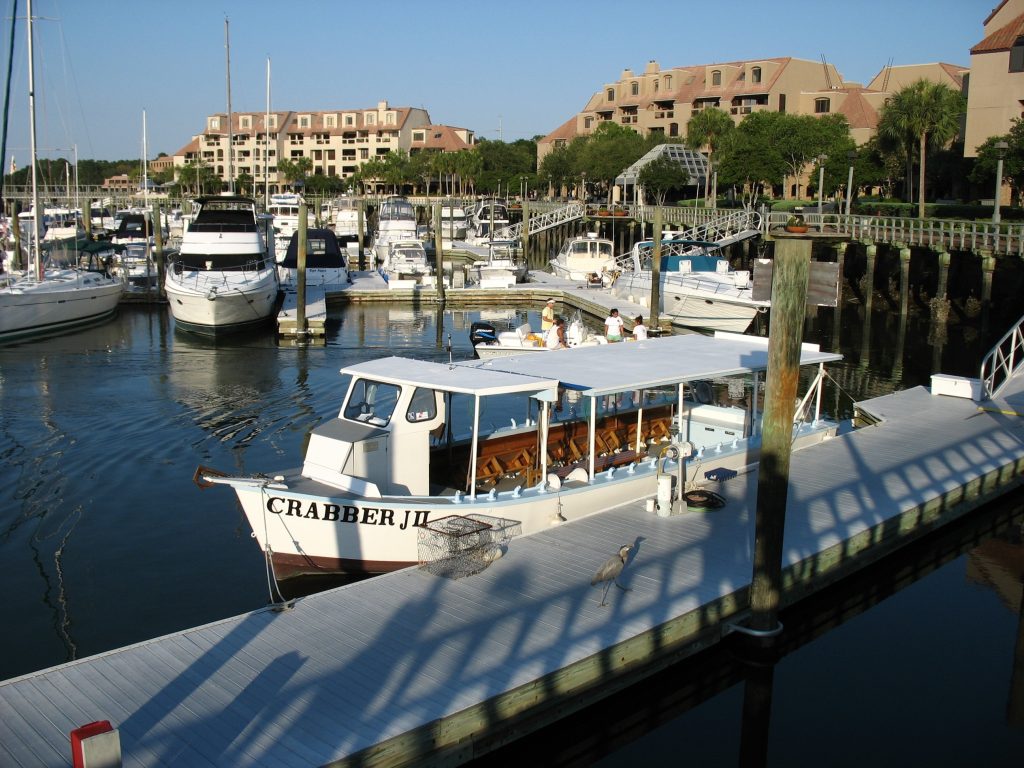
{"points": [[1003, 38]]}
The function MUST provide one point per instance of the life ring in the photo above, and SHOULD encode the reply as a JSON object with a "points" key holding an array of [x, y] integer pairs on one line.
{"points": [[703, 392]]}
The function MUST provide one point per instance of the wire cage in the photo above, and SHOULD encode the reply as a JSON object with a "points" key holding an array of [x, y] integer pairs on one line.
{"points": [[457, 545]]}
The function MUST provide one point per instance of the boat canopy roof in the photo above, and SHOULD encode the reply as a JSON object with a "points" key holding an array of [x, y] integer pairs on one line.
{"points": [[609, 368], [322, 250], [450, 378]]}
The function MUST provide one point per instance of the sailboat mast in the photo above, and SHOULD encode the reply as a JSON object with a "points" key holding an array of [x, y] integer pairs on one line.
{"points": [[145, 165], [266, 146], [34, 257], [231, 138]]}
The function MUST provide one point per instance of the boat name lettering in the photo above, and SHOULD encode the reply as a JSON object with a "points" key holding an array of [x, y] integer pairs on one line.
{"points": [[347, 513]]}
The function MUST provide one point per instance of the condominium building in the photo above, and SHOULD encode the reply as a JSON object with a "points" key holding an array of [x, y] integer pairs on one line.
{"points": [[338, 142], [995, 88], [663, 101]]}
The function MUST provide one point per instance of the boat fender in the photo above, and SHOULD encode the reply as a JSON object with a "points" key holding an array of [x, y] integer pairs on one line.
{"points": [[703, 392]]}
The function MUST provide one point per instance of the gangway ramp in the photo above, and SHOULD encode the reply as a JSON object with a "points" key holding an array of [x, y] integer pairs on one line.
{"points": [[541, 222]]}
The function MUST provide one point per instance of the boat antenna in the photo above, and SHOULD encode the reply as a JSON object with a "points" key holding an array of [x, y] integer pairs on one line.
{"points": [[231, 138], [34, 240], [7, 102]]}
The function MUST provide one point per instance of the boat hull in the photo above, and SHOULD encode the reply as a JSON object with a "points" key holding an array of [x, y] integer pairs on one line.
{"points": [[218, 302], [718, 308], [34, 314]]}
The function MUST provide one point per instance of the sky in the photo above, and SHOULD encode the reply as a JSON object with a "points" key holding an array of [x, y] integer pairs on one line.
{"points": [[505, 70]]}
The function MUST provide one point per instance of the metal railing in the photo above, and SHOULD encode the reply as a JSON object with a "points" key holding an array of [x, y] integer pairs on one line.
{"points": [[730, 227], [1003, 360], [541, 222]]}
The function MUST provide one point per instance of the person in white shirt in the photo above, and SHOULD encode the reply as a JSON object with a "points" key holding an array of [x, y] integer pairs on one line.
{"points": [[639, 329], [613, 326], [555, 337]]}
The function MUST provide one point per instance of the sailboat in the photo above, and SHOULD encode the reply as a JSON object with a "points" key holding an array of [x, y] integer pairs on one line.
{"points": [[47, 301], [224, 278]]}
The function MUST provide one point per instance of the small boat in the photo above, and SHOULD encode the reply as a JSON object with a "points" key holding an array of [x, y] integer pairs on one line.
{"points": [[582, 258], [487, 217], [454, 223], [503, 267], [285, 210], [698, 287], [223, 278], [396, 222], [406, 261], [488, 342], [326, 263], [135, 233], [427, 461]]}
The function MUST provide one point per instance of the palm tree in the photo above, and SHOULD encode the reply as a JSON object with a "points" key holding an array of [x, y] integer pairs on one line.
{"points": [[708, 128], [929, 112]]}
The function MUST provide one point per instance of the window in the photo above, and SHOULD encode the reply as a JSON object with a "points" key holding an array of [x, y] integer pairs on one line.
{"points": [[389, 118], [370, 118], [418, 136], [245, 121], [610, 94], [372, 402], [273, 122], [716, 77], [330, 121], [634, 88], [755, 75], [422, 405], [821, 106], [668, 81], [303, 121], [213, 123], [588, 123], [350, 120], [1017, 55], [782, 102]]}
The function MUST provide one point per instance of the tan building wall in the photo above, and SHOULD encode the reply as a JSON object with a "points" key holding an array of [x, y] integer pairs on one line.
{"points": [[995, 95]]}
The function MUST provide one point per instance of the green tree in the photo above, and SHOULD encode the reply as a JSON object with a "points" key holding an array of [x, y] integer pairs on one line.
{"points": [[662, 175], [607, 152], [294, 170], [931, 113], [557, 169], [708, 128]]}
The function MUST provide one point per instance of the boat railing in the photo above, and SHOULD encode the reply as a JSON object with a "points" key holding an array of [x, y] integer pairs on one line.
{"points": [[701, 281], [722, 230], [1003, 360]]}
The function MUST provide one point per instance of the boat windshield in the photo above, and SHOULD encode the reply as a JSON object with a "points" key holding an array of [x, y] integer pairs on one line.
{"points": [[372, 402]]}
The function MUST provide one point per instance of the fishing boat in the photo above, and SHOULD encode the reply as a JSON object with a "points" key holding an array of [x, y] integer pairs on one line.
{"points": [[698, 287], [223, 278], [326, 263], [396, 222], [454, 223], [486, 218], [583, 257], [47, 301], [422, 452], [503, 267], [488, 342]]}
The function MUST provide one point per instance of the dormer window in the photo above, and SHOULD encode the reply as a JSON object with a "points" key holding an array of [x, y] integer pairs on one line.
{"points": [[213, 123], [716, 77], [610, 94], [634, 88], [304, 121], [755, 75], [668, 82], [821, 106]]}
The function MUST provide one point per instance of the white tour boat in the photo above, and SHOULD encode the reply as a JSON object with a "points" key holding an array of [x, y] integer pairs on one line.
{"points": [[422, 452], [488, 342], [326, 262], [698, 289], [582, 258], [223, 277]]}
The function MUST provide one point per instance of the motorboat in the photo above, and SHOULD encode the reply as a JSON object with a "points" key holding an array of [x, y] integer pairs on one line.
{"points": [[396, 222], [285, 210], [223, 278], [503, 267], [698, 288], [406, 264], [454, 223], [76, 294], [584, 257], [486, 219], [326, 262], [488, 342], [427, 461], [136, 265], [102, 221]]}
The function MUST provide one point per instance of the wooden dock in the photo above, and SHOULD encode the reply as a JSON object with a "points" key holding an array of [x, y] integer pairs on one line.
{"points": [[414, 668]]}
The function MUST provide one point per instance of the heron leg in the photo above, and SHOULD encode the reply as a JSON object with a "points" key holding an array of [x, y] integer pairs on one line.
{"points": [[604, 596]]}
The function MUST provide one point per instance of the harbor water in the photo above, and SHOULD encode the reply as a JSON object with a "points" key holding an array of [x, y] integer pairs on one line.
{"points": [[106, 541]]}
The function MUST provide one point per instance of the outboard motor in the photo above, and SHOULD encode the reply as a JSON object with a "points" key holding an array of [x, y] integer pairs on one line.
{"points": [[482, 332]]}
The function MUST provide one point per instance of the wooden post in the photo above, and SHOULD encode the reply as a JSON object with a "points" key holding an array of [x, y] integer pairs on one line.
{"points": [[87, 218], [362, 229], [789, 297], [869, 277], [656, 271], [300, 283], [439, 251], [904, 280], [988, 268], [525, 234], [158, 244]]}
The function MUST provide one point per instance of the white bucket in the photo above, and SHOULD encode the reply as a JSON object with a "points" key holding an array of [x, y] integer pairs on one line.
{"points": [[664, 495]]}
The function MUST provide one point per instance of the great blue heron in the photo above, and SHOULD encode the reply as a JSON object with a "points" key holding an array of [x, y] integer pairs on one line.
{"points": [[609, 572]]}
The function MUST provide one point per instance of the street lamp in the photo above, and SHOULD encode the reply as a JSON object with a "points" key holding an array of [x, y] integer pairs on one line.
{"points": [[821, 178], [851, 156], [1001, 147], [583, 184]]}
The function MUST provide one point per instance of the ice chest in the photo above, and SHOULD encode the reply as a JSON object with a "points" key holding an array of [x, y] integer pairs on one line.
{"points": [[956, 386]]}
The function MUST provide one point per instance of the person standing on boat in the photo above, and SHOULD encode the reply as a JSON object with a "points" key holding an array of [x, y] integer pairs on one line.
{"points": [[547, 316], [639, 329], [613, 325], [555, 337]]}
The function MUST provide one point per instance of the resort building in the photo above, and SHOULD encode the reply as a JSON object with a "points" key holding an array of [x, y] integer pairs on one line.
{"points": [[995, 88], [338, 142]]}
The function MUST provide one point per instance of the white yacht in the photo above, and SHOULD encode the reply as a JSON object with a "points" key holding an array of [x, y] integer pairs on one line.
{"points": [[487, 218], [582, 258], [396, 222], [454, 223], [285, 210], [406, 261], [223, 278], [698, 289], [503, 267]]}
